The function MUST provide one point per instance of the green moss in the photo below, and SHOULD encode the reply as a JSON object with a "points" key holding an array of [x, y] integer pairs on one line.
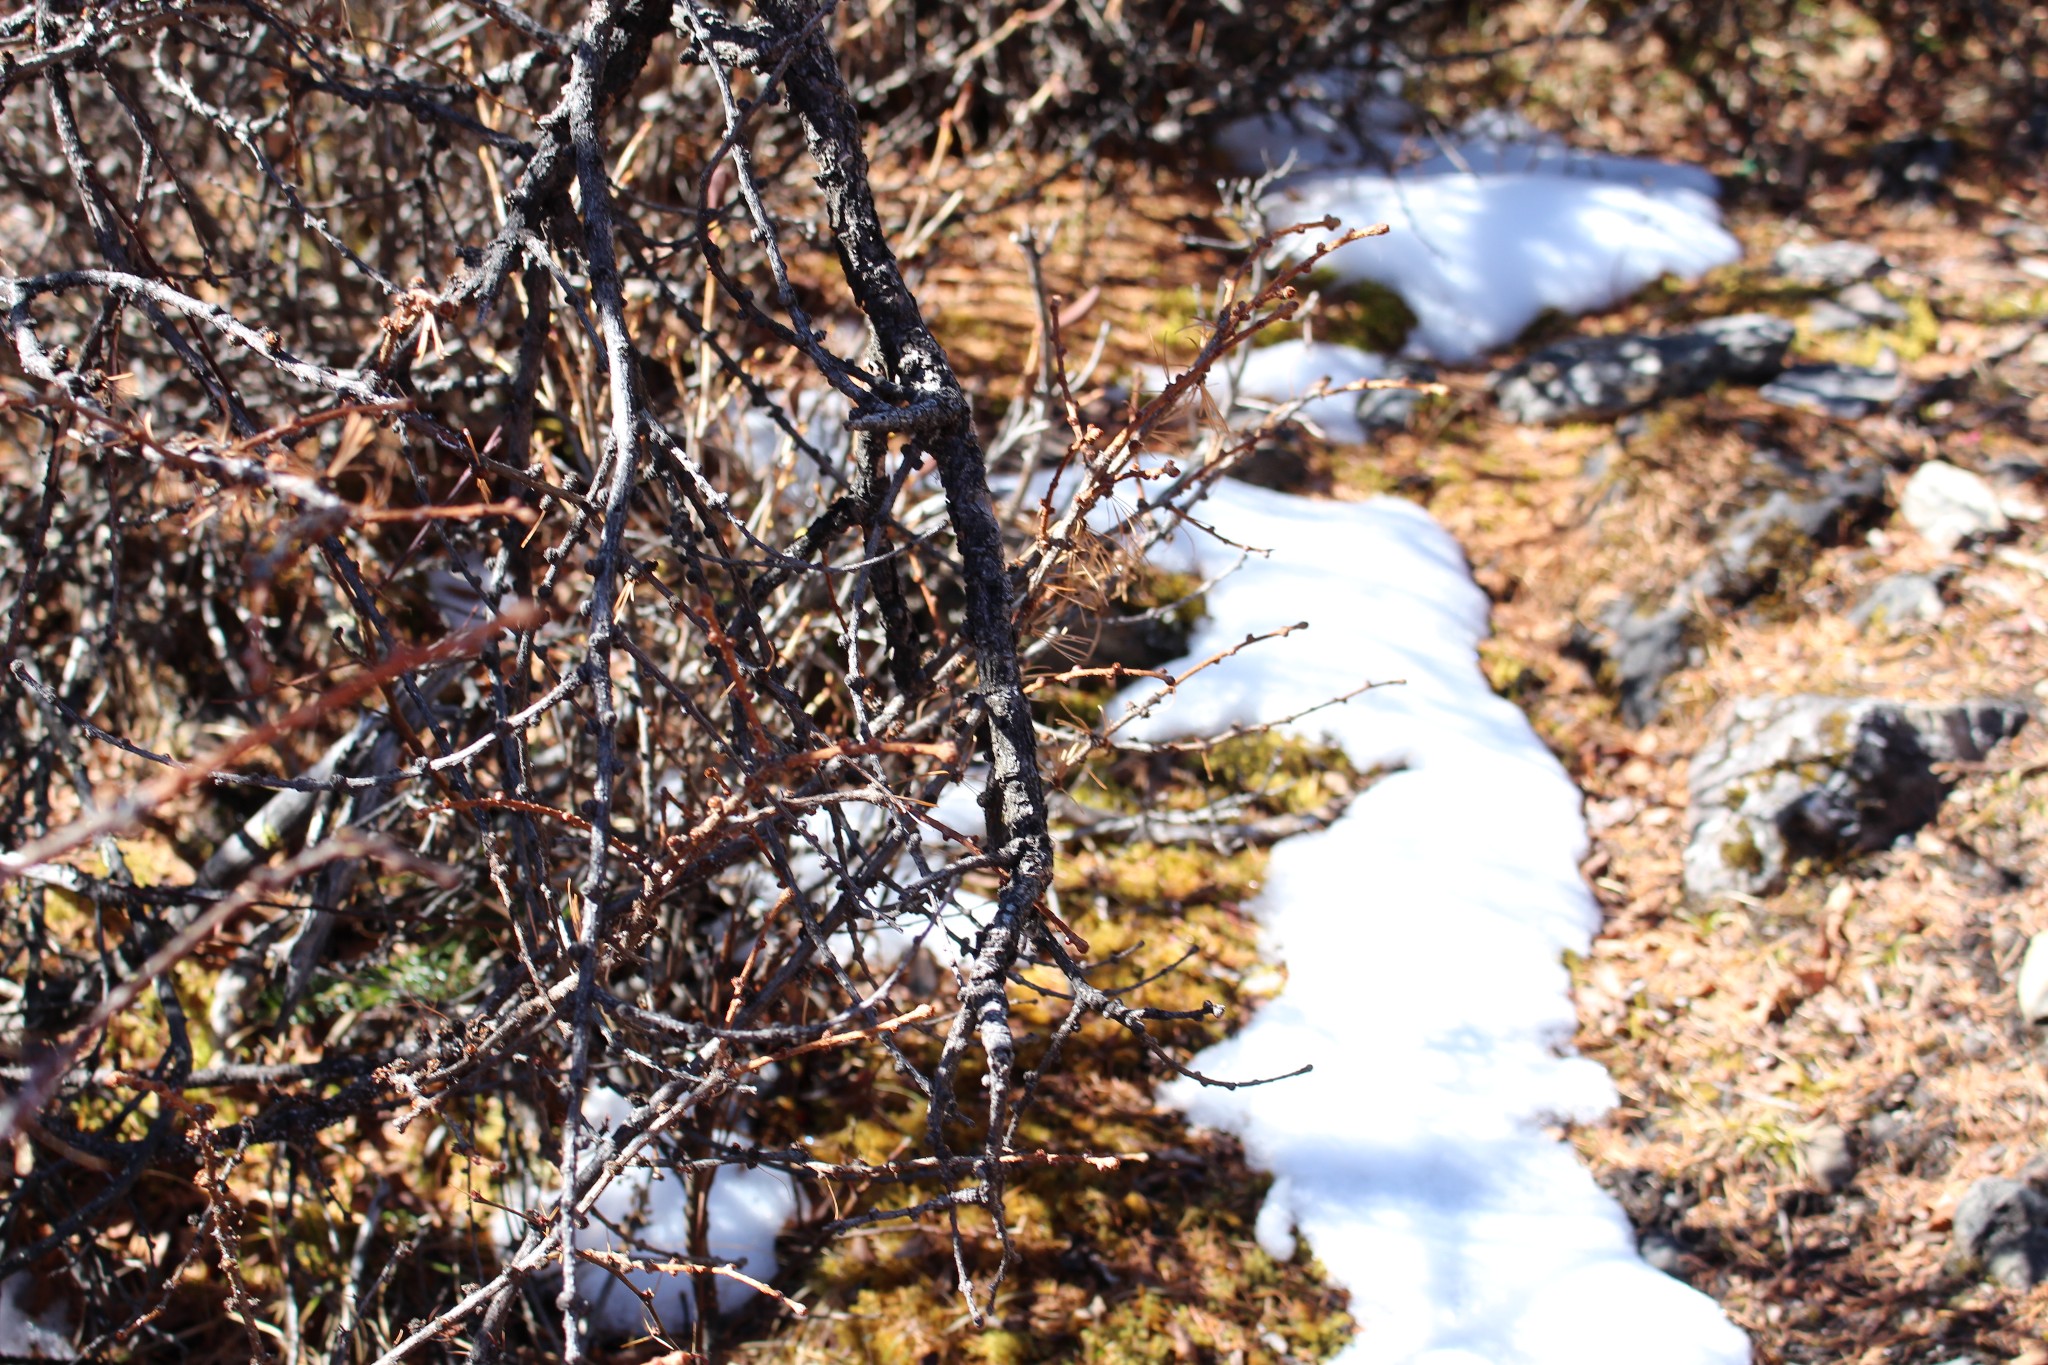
{"points": [[1283, 774], [1770, 1140], [1361, 313], [1177, 318], [1146, 1263], [1290, 775], [414, 972], [1917, 335], [1742, 853], [891, 1327], [1143, 1265], [2016, 305], [1363, 470], [1508, 672], [1908, 340], [1546, 327], [1155, 587], [1121, 1268], [1751, 289], [1000, 1348], [1174, 874], [1080, 706]]}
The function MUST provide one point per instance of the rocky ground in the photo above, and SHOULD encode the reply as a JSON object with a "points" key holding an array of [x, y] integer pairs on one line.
{"points": [[1816, 909], [1817, 1040]]}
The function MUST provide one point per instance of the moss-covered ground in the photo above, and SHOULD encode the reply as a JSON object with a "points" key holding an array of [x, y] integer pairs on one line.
{"points": [[1152, 1261]]}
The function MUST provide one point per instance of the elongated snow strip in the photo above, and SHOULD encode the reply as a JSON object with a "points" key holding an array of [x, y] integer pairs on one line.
{"points": [[1422, 936]]}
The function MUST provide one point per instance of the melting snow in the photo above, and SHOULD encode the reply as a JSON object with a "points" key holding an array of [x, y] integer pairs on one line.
{"points": [[29, 1336], [1491, 226], [1422, 934], [747, 1211], [1274, 374]]}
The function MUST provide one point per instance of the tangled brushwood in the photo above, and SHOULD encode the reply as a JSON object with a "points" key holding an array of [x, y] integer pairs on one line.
{"points": [[501, 581]]}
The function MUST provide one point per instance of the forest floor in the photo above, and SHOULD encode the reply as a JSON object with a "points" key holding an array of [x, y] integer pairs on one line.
{"points": [[1868, 1005], [1808, 1082]]}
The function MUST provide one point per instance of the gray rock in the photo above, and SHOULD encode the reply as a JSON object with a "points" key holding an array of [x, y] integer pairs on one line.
{"points": [[1393, 409], [2001, 1228], [1646, 649], [1745, 348], [1869, 303], [1757, 550], [1902, 600], [1278, 459], [1827, 265], [1846, 392], [1597, 468], [2016, 471], [1827, 316], [2021, 236], [1662, 1251], [1823, 778], [1757, 547], [1906, 1144], [1828, 1158], [1855, 308], [1913, 169], [1589, 378], [1948, 506]]}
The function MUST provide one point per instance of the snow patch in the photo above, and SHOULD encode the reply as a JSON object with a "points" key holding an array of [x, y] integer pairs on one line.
{"points": [[1491, 226], [1288, 369], [1423, 935], [22, 1334], [748, 1209]]}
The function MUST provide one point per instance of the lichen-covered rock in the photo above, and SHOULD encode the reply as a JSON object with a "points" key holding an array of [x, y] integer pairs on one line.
{"points": [[1948, 506], [1588, 378], [1756, 551], [1904, 599], [2001, 1228], [1826, 316], [1393, 409], [1858, 307], [1872, 304], [1827, 265], [1646, 648], [1787, 778], [1846, 392], [1759, 546]]}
